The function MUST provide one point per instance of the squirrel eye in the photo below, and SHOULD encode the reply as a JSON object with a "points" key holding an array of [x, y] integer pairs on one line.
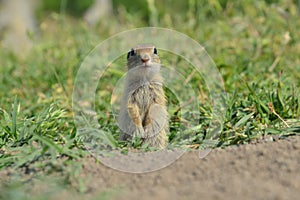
{"points": [[155, 51], [130, 53]]}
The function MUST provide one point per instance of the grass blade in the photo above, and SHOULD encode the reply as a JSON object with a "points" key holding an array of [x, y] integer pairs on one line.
{"points": [[243, 120], [14, 119]]}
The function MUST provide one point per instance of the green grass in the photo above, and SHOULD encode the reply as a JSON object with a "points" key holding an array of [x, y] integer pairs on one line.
{"points": [[255, 46]]}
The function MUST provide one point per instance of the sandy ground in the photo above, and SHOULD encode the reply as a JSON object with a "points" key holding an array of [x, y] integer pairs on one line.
{"points": [[262, 170]]}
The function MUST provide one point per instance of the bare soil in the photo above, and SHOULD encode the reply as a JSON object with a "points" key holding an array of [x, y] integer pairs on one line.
{"points": [[261, 170]]}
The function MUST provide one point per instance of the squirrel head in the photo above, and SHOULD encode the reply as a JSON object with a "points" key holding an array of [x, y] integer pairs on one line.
{"points": [[143, 55], [143, 65]]}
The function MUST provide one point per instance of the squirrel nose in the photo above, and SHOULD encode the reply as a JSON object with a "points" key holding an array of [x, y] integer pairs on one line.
{"points": [[145, 58]]}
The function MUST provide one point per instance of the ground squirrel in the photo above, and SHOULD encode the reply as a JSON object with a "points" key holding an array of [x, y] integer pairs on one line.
{"points": [[143, 111]]}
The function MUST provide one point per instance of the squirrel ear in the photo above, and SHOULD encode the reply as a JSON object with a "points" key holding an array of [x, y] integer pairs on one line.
{"points": [[130, 53], [155, 51]]}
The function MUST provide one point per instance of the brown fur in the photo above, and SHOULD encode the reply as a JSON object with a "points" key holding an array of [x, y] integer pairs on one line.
{"points": [[144, 112]]}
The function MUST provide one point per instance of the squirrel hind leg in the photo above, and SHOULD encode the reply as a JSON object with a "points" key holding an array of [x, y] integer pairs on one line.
{"points": [[159, 141], [125, 137], [156, 126]]}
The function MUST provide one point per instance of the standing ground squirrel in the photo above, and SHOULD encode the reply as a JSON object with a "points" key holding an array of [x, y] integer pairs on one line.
{"points": [[143, 112]]}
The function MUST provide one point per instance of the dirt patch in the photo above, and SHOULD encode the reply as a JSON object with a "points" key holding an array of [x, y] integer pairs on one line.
{"points": [[269, 170], [264, 170]]}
